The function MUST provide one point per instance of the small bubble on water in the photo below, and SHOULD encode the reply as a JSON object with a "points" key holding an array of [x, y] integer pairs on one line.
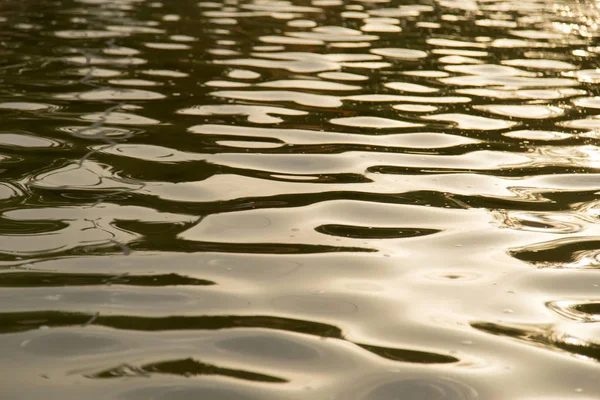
{"points": [[507, 311], [44, 327], [579, 390]]}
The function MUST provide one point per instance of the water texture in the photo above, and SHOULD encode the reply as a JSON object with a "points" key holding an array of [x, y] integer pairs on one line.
{"points": [[326, 199]]}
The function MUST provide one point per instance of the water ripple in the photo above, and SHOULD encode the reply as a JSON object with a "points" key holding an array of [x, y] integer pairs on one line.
{"points": [[264, 199]]}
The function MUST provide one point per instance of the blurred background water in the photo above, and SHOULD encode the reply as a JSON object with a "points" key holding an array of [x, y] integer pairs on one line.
{"points": [[326, 199]]}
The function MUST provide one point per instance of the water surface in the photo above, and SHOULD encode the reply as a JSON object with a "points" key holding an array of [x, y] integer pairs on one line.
{"points": [[326, 199]]}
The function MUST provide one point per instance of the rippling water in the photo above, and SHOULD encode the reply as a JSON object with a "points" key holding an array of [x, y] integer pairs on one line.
{"points": [[326, 199]]}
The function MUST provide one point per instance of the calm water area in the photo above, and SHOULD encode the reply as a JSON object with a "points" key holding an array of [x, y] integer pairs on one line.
{"points": [[304, 199]]}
